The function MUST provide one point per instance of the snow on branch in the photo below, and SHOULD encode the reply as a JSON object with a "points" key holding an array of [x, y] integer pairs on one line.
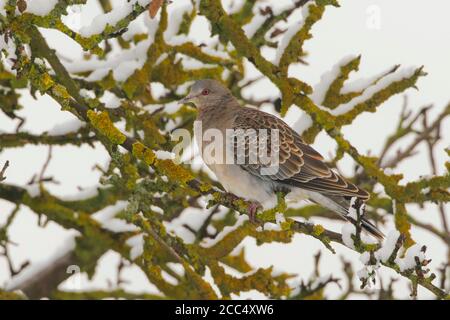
{"points": [[123, 93]]}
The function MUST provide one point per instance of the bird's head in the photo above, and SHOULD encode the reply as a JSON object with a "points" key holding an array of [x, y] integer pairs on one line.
{"points": [[207, 92]]}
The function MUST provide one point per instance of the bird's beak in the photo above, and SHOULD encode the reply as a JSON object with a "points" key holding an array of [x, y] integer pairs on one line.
{"points": [[187, 99]]}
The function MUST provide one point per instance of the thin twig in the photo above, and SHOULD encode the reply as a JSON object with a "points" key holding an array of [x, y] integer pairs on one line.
{"points": [[2, 172]]}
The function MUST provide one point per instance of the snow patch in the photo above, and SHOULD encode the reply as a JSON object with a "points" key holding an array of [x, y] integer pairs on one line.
{"points": [[177, 268], [209, 278], [426, 190], [10, 55], [87, 94], [40, 7], [352, 212], [365, 258], [168, 278], [161, 58], [189, 63], [290, 33], [136, 243], [110, 100], [98, 74], [164, 155], [279, 218], [269, 226], [126, 68], [253, 26], [107, 218], [363, 273], [175, 18], [371, 90], [156, 209], [388, 246], [348, 230], [111, 18], [409, 261], [33, 190], [67, 127], [321, 88]]}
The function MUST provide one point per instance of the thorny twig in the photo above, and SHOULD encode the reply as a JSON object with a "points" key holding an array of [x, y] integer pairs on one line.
{"points": [[5, 242], [429, 133]]}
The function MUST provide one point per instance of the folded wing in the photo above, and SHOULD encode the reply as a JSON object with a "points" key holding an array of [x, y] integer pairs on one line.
{"points": [[299, 165]]}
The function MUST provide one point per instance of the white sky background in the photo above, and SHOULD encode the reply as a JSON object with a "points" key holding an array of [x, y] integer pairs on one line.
{"points": [[410, 32]]}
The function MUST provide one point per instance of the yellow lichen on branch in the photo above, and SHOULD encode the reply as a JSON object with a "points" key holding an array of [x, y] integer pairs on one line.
{"points": [[102, 122], [159, 192]]}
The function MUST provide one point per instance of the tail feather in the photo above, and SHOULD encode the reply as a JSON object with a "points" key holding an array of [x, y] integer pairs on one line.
{"points": [[370, 228], [341, 206]]}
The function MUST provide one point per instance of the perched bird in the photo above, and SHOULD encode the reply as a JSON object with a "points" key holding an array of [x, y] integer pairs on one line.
{"points": [[299, 171]]}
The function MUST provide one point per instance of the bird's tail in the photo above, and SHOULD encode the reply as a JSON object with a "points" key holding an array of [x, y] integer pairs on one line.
{"points": [[371, 229], [341, 206]]}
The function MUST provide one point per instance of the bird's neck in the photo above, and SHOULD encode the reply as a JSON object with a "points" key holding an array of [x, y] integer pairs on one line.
{"points": [[219, 110]]}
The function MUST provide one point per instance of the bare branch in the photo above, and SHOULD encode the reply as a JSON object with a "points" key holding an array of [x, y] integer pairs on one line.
{"points": [[2, 172]]}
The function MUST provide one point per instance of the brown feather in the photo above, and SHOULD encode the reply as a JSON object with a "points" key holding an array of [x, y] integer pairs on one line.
{"points": [[299, 164]]}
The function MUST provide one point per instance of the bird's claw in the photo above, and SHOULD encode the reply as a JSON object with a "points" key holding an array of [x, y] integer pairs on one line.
{"points": [[252, 210]]}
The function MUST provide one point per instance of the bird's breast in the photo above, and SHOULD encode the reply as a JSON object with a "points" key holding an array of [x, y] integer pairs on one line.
{"points": [[245, 185], [217, 153]]}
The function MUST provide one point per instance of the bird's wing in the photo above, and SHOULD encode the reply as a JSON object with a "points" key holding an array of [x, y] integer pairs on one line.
{"points": [[299, 164]]}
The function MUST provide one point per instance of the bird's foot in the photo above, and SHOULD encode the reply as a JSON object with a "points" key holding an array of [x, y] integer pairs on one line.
{"points": [[252, 210]]}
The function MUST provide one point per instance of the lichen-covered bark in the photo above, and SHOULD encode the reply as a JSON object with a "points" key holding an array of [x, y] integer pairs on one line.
{"points": [[140, 177]]}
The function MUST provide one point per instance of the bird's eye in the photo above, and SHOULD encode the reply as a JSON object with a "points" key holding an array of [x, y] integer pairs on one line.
{"points": [[205, 92]]}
